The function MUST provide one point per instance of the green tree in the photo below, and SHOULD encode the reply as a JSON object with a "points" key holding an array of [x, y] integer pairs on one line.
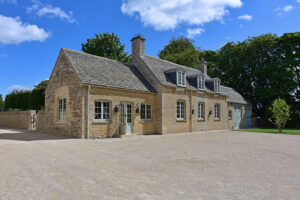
{"points": [[258, 69], [106, 45], [212, 58], [37, 96], [26, 99], [18, 100], [1, 103], [181, 51], [280, 113]]}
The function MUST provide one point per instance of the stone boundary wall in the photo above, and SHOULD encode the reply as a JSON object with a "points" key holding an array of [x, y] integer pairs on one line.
{"points": [[41, 120], [18, 119]]}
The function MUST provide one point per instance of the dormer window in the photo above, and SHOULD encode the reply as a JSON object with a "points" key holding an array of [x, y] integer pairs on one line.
{"points": [[217, 85], [201, 83], [181, 78]]}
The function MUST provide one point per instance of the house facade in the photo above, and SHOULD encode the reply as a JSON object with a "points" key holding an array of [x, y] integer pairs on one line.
{"points": [[93, 97]]}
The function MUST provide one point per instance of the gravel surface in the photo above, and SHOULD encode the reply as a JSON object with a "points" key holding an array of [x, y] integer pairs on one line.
{"points": [[216, 165]]}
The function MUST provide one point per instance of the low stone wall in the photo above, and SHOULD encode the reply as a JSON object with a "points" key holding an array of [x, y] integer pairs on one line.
{"points": [[18, 119]]}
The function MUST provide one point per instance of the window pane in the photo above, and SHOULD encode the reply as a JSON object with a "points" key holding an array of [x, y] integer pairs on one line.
{"points": [[149, 112], [217, 111], [180, 110], [143, 111], [62, 109], [128, 113], [101, 110]]}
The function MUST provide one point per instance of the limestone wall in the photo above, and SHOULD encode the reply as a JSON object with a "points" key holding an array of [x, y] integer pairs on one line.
{"points": [[17, 119], [63, 83], [115, 97], [170, 124]]}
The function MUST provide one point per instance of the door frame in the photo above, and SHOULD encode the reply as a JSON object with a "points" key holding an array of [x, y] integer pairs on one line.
{"points": [[125, 127], [237, 107]]}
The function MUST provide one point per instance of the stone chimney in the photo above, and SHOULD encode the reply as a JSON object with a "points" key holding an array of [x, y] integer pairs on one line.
{"points": [[138, 46], [203, 67]]}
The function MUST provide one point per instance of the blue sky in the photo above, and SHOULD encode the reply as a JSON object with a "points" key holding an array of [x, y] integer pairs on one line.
{"points": [[32, 32]]}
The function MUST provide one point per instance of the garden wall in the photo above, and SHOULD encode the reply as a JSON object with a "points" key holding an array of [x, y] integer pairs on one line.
{"points": [[18, 119]]}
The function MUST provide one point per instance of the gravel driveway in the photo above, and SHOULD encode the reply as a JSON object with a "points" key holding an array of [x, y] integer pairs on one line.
{"points": [[216, 165]]}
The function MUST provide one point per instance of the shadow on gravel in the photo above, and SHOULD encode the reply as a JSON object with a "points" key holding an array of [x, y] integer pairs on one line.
{"points": [[23, 135]]}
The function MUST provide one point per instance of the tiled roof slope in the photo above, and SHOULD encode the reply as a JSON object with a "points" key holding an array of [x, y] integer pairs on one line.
{"points": [[233, 95], [95, 70], [159, 67]]}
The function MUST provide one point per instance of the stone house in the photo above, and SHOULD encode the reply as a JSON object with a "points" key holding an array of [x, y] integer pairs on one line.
{"points": [[93, 97]]}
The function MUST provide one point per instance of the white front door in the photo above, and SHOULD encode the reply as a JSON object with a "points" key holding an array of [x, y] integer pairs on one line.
{"points": [[126, 118], [237, 117]]}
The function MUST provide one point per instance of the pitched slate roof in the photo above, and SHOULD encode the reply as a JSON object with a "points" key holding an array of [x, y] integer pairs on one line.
{"points": [[160, 68], [233, 95], [96, 70]]}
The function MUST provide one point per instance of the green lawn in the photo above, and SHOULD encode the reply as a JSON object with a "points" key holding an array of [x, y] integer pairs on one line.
{"points": [[274, 131]]}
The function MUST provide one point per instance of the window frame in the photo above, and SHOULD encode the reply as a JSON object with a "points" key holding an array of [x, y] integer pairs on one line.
{"points": [[217, 111], [181, 78], [62, 110], [217, 83], [146, 112], [102, 114], [203, 111], [181, 110], [201, 82]]}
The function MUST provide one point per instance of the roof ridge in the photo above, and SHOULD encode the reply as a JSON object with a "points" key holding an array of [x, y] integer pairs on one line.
{"points": [[172, 62], [87, 54], [227, 86]]}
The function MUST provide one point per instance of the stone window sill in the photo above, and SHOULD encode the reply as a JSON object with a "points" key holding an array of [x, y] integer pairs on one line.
{"points": [[217, 119], [146, 120], [200, 120], [101, 121], [180, 120]]}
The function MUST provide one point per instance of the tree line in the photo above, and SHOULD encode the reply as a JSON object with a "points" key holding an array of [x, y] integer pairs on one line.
{"points": [[25, 99]]}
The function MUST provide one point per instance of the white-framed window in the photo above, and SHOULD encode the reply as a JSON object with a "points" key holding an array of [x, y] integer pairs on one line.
{"points": [[201, 111], [201, 83], [181, 78], [101, 111], [180, 110], [217, 111], [62, 108], [217, 85], [146, 112], [230, 114]]}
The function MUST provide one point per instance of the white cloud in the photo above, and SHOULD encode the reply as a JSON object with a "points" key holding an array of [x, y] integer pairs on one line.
{"points": [[14, 31], [193, 32], [287, 8], [298, 1], [245, 17], [168, 14], [50, 11], [19, 87], [281, 10]]}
